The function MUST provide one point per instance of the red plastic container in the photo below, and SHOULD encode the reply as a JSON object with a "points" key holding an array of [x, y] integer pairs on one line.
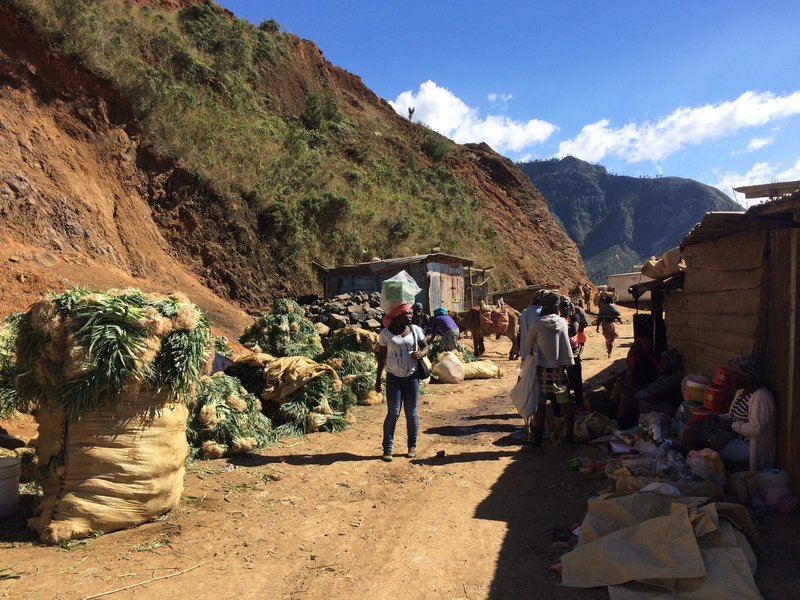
{"points": [[722, 377], [716, 398], [699, 414]]}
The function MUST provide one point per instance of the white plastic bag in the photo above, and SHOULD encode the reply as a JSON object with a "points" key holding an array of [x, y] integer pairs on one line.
{"points": [[525, 393], [397, 290]]}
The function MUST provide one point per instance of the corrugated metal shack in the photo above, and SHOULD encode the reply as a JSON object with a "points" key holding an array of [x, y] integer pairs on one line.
{"points": [[441, 277], [740, 296]]}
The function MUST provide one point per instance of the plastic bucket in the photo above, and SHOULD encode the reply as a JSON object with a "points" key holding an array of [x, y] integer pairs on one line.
{"points": [[694, 388], [700, 414], [722, 377], [715, 398], [9, 485]]}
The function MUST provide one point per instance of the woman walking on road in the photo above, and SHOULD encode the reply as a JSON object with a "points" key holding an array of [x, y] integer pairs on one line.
{"points": [[402, 345], [607, 317]]}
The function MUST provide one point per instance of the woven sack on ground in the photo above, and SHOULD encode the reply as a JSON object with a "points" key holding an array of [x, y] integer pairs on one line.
{"points": [[112, 468], [449, 369], [481, 369]]}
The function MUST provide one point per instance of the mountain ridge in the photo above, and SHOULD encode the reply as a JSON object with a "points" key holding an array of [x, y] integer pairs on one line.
{"points": [[618, 221]]}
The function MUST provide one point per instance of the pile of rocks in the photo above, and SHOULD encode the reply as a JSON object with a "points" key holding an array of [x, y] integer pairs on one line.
{"points": [[360, 309]]}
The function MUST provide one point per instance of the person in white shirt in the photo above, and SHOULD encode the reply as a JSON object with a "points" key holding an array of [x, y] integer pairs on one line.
{"points": [[401, 346]]}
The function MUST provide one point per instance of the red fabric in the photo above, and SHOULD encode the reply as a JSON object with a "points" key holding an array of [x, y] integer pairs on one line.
{"points": [[395, 312]]}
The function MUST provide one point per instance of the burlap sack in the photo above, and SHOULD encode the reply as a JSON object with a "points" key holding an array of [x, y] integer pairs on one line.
{"points": [[282, 376], [449, 369], [494, 321], [481, 369], [362, 338], [112, 469]]}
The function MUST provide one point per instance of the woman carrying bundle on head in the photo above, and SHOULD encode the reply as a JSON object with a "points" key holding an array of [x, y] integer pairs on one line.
{"points": [[401, 346], [607, 318]]}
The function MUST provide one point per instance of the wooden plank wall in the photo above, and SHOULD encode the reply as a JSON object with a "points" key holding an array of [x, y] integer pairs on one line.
{"points": [[779, 353], [717, 314]]}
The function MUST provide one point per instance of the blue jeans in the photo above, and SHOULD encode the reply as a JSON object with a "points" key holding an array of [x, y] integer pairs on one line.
{"points": [[401, 391]]}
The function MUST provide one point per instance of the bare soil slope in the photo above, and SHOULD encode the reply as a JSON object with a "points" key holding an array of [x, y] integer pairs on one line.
{"points": [[83, 200]]}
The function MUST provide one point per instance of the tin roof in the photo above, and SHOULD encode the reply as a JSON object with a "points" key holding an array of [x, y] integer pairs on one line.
{"points": [[387, 264], [769, 190], [716, 225]]}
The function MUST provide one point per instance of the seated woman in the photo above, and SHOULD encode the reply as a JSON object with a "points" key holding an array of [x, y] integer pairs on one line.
{"points": [[751, 418], [664, 394], [443, 325]]}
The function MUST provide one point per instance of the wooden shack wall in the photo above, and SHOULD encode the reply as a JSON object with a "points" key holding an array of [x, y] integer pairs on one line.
{"points": [[717, 314], [779, 353]]}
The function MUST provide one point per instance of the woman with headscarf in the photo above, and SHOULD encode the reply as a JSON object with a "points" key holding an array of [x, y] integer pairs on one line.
{"points": [[401, 346], [445, 327], [751, 418]]}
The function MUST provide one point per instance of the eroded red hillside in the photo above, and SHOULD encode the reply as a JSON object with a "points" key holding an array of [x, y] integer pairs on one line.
{"points": [[84, 201]]}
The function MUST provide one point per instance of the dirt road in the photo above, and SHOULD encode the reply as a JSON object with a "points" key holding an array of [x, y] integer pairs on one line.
{"points": [[322, 517]]}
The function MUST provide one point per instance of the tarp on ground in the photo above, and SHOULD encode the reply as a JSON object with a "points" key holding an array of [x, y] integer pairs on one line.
{"points": [[644, 545]]}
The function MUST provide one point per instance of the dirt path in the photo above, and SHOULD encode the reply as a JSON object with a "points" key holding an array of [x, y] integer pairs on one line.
{"points": [[322, 517]]}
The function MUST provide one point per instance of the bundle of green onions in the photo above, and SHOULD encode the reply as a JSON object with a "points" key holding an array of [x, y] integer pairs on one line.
{"points": [[283, 332], [222, 347], [317, 406], [461, 351], [226, 420], [357, 370], [9, 398], [80, 350]]}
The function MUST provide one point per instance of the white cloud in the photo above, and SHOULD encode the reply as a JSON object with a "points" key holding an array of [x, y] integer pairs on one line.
{"points": [[500, 97], [758, 143], [443, 111], [636, 142], [760, 172]]}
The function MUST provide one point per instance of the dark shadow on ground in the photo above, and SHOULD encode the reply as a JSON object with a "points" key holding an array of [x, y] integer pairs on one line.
{"points": [[777, 576], [508, 416], [461, 457], [606, 375], [14, 527], [459, 431], [535, 494], [257, 460]]}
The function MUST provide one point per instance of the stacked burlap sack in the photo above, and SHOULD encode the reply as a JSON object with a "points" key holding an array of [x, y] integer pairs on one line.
{"points": [[110, 374]]}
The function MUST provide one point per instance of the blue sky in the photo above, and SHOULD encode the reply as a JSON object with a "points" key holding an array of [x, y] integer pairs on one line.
{"points": [[708, 90]]}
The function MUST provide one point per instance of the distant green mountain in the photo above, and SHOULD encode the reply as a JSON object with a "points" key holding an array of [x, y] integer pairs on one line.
{"points": [[619, 221]]}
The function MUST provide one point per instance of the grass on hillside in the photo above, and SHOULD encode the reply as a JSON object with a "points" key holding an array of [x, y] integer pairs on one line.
{"points": [[324, 186]]}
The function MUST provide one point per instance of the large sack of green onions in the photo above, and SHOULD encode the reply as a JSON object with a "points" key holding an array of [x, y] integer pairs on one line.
{"points": [[299, 395], [283, 332], [110, 373], [351, 351], [273, 379]]}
